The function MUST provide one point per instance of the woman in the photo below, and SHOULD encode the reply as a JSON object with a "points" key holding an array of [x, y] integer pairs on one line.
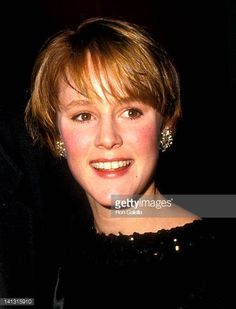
{"points": [[106, 97]]}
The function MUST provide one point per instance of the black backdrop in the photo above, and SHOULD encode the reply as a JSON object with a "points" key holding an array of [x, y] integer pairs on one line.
{"points": [[199, 36]]}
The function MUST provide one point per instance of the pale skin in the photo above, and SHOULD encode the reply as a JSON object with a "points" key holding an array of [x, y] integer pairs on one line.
{"points": [[112, 148]]}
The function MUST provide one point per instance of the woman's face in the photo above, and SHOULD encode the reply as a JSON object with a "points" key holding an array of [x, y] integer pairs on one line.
{"points": [[112, 147]]}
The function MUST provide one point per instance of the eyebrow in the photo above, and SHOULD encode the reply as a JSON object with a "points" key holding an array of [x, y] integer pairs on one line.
{"points": [[125, 100], [76, 103]]}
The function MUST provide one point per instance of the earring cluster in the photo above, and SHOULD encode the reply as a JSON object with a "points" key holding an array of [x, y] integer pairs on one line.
{"points": [[166, 139], [61, 150]]}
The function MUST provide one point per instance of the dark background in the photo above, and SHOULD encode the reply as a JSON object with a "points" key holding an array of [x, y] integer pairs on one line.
{"points": [[199, 36]]}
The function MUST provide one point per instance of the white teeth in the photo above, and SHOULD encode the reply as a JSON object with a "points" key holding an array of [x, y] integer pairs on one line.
{"points": [[110, 165], [107, 166]]}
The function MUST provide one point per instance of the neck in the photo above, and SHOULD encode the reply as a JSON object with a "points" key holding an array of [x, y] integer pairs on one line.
{"points": [[107, 223]]}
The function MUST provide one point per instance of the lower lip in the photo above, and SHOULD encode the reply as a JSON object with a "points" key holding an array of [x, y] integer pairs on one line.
{"points": [[112, 174]]}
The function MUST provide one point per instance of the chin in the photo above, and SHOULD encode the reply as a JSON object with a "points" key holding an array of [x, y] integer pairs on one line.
{"points": [[105, 201]]}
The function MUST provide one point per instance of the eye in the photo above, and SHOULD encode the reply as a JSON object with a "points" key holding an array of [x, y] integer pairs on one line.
{"points": [[83, 117], [132, 113]]}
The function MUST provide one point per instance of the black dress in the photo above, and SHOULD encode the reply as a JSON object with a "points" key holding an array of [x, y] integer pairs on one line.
{"points": [[185, 267]]}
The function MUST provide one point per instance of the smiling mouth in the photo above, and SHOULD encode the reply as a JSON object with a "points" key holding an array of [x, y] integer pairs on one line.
{"points": [[111, 166]]}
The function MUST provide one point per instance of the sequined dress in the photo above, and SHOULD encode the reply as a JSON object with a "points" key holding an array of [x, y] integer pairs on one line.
{"points": [[184, 267]]}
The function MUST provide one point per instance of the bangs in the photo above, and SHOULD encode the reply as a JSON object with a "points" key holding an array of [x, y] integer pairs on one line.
{"points": [[118, 72]]}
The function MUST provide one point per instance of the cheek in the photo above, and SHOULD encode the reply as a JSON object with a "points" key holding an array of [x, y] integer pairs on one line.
{"points": [[75, 143], [146, 138]]}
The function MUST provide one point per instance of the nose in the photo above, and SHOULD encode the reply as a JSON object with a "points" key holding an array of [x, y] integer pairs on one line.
{"points": [[108, 135]]}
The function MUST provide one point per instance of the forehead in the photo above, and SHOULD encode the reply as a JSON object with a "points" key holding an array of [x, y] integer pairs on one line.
{"points": [[70, 98], [99, 92]]}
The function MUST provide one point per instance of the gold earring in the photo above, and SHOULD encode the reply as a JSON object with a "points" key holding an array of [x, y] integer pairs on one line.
{"points": [[61, 150], [166, 139]]}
